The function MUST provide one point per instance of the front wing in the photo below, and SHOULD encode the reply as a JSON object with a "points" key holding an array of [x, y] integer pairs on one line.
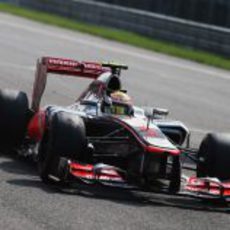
{"points": [[204, 188]]}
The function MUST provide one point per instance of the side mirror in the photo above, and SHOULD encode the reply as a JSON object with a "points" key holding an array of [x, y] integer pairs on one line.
{"points": [[156, 113], [160, 112]]}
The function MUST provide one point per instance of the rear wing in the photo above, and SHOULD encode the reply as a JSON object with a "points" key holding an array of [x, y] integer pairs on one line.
{"points": [[62, 66]]}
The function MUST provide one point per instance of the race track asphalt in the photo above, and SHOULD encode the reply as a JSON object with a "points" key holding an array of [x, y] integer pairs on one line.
{"points": [[196, 94]]}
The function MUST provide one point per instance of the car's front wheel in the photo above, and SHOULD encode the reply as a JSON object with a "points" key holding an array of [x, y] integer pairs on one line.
{"points": [[65, 138], [214, 156]]}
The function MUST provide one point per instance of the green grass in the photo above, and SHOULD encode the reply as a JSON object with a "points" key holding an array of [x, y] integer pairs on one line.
{"points": [[120, 36]]}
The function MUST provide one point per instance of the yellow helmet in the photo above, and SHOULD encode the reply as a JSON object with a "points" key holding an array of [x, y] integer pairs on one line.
{"points": [[121, 103], [119, 96]]}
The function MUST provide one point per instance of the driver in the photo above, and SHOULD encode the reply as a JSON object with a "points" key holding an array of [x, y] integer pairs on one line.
{"points": [[120, 103]]}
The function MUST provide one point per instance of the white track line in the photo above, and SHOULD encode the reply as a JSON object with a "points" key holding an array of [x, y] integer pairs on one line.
{"points": [[146, 57]]}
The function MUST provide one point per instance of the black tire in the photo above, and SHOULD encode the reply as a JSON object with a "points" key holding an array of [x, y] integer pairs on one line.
{"points": [[214, 156], [175, 180], [14, 117], [65, 138]]}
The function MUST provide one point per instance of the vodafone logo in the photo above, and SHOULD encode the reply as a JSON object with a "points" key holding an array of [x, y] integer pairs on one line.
{"points": [[62, 62]]}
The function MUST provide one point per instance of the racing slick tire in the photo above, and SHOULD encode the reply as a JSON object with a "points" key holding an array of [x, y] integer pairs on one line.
{"points": [[175, 180], [214, 156], [14, 117], [66, 138]]}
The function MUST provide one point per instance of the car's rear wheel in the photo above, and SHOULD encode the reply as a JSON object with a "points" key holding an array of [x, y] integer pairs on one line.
{"points": [[214, 156], [65, 138], [14, 117]]}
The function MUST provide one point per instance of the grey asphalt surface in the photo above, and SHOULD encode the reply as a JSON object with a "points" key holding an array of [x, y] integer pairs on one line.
{"points": [[196, 94]]}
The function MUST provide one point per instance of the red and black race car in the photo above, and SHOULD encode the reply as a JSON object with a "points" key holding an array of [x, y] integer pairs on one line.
{"points": [[103, 138]]}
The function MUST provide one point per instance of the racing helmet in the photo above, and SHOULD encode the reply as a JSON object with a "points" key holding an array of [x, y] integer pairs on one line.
{"points": [[121, 103]]}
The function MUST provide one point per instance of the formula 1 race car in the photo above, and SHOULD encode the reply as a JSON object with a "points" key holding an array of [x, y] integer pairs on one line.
{"points": [[103, 138]]}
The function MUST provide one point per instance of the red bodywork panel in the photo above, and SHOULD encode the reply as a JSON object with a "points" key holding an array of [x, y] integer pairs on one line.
{"points": [[69, 67], [37, 126], [154, 149], [73, 68], [208, 186], [87, 171]]}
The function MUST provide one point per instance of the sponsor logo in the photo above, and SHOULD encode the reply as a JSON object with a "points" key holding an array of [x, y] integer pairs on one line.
{"points": [[62, 62]]}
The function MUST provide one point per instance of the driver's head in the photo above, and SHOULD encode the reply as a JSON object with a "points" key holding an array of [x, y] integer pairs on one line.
{"points": [[121, 103]]}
